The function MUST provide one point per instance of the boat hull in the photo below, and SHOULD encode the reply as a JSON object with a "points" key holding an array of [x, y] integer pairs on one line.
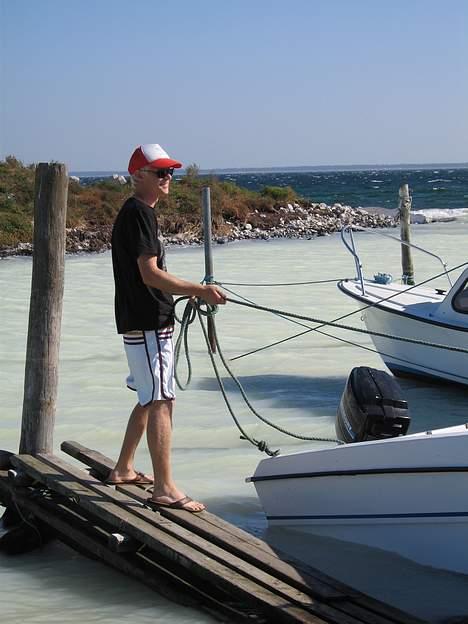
{"points": [[407, 495], [419, 360], [404, 358]]}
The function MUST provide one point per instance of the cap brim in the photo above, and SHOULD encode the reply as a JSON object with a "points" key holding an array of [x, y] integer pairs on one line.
{"points": [[164, 163]]}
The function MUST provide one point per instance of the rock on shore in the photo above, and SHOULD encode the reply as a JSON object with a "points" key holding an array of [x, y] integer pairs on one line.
{"points": [[288, 221], [295, 221]]}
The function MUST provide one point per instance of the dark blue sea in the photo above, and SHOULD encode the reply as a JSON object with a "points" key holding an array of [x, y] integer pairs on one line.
{"points": [[432, 187]]}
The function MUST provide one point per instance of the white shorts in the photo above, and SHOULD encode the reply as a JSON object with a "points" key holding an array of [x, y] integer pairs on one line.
{"points": [[150, 357]]}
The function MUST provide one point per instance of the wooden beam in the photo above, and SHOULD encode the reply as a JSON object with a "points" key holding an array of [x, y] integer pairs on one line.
{"points": [[228, 536], [145, 526], [5, 459], [76, 532], [45, 310], [205, 546], [295, 572]]}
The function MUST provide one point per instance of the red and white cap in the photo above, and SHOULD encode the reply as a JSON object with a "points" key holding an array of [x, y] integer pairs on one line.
{"points": [[152, 156]]}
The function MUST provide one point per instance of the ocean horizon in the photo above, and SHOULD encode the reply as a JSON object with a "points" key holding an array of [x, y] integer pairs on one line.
{"points": [[442, 187], [292, 169]]}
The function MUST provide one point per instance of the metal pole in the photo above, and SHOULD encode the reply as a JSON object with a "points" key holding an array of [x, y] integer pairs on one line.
{"points": [[209, 279], [45, 311], [406, 259], [206, 198]]}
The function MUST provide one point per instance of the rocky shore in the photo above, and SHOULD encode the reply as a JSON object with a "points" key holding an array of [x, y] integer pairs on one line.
{"points": [[288, 221]]}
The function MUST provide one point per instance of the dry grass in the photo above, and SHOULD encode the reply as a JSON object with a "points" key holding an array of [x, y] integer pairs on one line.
{"points": [[95, 206]]}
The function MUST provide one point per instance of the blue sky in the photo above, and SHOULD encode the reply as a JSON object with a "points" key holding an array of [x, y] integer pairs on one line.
{"points": [[245, 83]]}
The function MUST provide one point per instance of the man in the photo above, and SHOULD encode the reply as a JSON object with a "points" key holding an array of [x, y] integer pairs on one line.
{"points": [[145, 316]]}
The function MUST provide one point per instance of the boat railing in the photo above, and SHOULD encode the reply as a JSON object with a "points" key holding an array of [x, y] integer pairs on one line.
{"points": [[351, 247]]}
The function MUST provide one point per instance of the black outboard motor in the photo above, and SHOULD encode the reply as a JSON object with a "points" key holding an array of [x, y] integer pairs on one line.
{"points": [[371, 407]]}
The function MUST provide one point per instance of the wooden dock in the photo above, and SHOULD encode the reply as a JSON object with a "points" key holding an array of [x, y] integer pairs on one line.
{"points": [[196, 559]]}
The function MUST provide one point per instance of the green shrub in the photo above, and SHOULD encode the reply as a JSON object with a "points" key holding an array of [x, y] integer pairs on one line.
{"points": [[279, 193], [14, 228]]}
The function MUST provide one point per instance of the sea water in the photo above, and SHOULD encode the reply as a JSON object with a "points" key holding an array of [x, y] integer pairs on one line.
{"points": [[434, 189], [297, 385]]}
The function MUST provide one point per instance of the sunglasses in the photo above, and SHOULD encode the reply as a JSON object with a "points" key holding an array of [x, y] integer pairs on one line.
{"points": [[162, 173]]}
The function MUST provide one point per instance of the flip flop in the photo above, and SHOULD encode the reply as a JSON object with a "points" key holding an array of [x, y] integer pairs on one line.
{"points": [[178, 504], [139, 479]]}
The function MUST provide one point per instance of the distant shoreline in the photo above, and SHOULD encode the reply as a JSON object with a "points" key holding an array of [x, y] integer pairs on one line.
{"points": [[291, 221], [293, 169]]}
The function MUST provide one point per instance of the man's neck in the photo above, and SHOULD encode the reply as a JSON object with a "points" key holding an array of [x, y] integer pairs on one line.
{"points": [[150, 200]]}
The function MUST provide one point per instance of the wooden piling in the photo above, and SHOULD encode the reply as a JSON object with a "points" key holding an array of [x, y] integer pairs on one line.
{"points": [[45, 310], [406, 259]]}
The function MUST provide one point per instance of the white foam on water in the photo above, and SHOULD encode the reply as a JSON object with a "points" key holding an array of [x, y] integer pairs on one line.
{"points": [[436, 214]]}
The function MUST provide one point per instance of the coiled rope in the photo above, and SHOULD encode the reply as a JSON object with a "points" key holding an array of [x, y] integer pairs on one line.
{"points": [[196, 308]]}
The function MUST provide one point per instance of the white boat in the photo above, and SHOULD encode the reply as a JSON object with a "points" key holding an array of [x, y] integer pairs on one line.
{"points": [[423, 313], [407, 494]]}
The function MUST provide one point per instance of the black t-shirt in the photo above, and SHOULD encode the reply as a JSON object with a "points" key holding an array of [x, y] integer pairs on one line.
{"points": [[138, 306]]}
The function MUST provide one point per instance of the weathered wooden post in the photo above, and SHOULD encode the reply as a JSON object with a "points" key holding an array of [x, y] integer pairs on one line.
{"points": [[206, 203], [405, 220], [45, 310]]}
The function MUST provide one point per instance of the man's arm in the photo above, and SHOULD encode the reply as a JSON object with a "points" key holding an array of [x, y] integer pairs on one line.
{"points": [[153, 276]]}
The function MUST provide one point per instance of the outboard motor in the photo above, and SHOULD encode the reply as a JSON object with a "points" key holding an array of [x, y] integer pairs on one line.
{"points": [[371, 407]]}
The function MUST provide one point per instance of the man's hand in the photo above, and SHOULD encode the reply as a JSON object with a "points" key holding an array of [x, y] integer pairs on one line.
{"points": [[213, 295]]}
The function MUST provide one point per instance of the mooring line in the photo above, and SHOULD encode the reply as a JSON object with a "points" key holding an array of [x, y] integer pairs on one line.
{"points": [[193, 308], [338, 338], [347, 315], [327, 281], [348, 327]]}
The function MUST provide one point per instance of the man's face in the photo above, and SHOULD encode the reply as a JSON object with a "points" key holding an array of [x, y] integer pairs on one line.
{"points": [[158, 181]]}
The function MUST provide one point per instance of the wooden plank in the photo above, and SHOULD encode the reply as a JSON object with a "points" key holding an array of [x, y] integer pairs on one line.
{"points": [[228, 536], [294, 571], [206, 546], [102, 465], [272, 564], [79, 536], [372, 613], [100, 500]]}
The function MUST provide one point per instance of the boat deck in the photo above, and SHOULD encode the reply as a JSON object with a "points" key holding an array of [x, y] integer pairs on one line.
{"points": [[419, 301]]}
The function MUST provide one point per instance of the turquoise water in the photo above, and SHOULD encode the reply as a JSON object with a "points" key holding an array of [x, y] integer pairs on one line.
{"points": [[297, 385]]}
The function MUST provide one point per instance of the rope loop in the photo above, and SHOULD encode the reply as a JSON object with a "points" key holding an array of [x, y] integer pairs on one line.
{"points": [[188, 308], [205, 309], [188, 316]]}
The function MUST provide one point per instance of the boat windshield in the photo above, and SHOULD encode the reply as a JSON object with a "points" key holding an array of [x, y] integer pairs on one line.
{"points": [[460, 301]]}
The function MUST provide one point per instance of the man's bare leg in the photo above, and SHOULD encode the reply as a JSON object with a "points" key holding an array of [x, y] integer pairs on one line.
{"points": [[124, 468], [159, 433]]}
